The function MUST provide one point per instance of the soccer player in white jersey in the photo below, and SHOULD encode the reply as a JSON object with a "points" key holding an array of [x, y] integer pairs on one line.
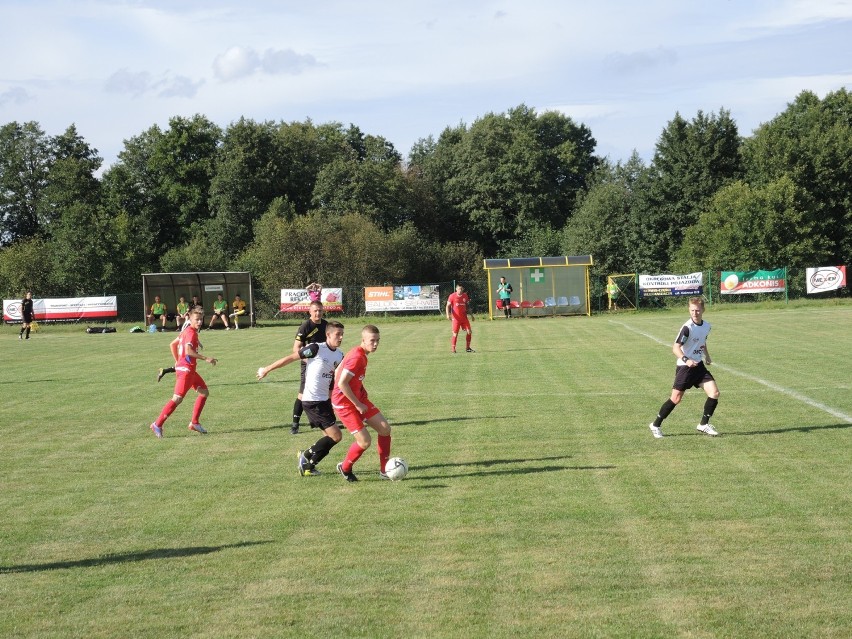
{"points": [[690, 349], [322, 359]]}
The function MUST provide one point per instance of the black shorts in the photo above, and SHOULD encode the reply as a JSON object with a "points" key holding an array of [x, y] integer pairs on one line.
{"points": [[28, 319], [156, 315], [691, 377], [320, 414], [219, 314]]}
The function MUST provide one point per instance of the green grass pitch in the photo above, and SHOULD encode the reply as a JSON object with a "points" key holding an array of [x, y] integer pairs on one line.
{"points": [[537, 502]]}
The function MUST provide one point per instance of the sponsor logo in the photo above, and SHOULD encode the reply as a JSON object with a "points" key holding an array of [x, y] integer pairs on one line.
{"points": [[827, 279]]}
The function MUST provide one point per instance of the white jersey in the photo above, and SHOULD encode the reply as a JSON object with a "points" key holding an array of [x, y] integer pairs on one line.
{"points": [[319, 375], [692, 339]]}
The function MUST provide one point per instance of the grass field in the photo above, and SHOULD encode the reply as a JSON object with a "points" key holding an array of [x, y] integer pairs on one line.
{"points": [[537, 503]]}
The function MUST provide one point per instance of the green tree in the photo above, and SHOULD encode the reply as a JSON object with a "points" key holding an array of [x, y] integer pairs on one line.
{"points": [[691, 162], [24, 166], [749, 228], [25, 266], [811, 143]]}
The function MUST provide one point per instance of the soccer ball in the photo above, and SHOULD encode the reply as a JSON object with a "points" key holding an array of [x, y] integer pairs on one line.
{"points": [[396, 468]]}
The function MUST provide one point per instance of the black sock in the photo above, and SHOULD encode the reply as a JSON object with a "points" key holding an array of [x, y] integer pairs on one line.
{"points": [[320, 449], [667, 407], [709, 407], [297, 411], [22, 331], [28, 332]]}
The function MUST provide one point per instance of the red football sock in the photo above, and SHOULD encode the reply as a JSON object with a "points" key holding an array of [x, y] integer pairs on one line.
{"points": [[454, 340], [168, 409], [467, 339], [383, 447], [196, 409], [353, 455]]}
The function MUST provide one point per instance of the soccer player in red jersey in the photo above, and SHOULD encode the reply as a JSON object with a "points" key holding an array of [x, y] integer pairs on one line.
{"points": [[185, 352], [355, 410], [457, 310]]}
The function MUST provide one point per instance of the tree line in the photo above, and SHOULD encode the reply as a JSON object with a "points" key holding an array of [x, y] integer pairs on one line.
{"points": [[297, 202]]}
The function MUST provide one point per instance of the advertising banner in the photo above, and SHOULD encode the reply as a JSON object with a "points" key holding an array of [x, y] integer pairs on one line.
{"points": [[739, 282], [667, 285], [419, 297], [72, 308], [826, 278], [296, 300]]}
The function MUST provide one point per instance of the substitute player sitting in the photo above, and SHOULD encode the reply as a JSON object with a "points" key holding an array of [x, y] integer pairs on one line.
{"points": [[321, 361]]}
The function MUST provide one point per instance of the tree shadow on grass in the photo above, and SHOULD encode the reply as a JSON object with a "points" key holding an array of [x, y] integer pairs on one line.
{"points": [[127, 557]]}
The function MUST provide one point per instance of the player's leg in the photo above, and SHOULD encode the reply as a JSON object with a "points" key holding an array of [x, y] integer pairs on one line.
{"points": [[354, 423], [321, 414], [455, 337], [710, 404], [669, 405], [181, 388], [378, 423], [200, 400], [468, 337], [297, 405]]}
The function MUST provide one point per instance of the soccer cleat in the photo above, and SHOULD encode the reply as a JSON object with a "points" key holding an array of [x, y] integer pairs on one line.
{"points": [[384, 475], [313, 472], [160, 375], [198, 428], [469, 350], [350, 476], [656, 431], [707, 429], [304, 465], [227, 328], [157, 430], [294, 429]]}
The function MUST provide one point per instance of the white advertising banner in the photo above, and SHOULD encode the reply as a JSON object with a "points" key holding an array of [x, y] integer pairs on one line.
{"points": [[826, 278], [296, 300], [425, 297], [664, 285], [70, 308]]}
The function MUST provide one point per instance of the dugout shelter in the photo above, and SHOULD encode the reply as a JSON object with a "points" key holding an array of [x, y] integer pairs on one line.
{"points": [[171, 286], [542, 285]]}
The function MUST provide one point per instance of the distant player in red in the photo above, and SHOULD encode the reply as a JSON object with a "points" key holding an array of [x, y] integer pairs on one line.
{"points": [[355, 410], [185, 352], [457, 311]]}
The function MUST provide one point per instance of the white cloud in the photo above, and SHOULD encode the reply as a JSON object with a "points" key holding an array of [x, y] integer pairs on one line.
{"points": [[235, 63], [126, 81], [286, 61], [15, 95]]}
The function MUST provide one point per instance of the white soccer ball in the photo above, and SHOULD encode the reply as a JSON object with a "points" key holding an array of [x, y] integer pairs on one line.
{"points": [[260, 373], [396, 468]]}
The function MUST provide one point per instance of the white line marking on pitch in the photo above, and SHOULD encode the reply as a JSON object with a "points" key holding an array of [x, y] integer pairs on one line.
{"points": [[780, 389]]}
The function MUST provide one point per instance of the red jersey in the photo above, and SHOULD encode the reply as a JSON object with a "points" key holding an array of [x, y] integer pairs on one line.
{"points": [[187, 337], [458, 305], [356, 363]]}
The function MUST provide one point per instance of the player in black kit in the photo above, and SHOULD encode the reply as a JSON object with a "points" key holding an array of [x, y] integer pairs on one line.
{"points": [[310, 331], [26, 314]]}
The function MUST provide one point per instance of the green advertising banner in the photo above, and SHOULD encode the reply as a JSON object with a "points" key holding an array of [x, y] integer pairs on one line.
{"points": [[739, 282]]}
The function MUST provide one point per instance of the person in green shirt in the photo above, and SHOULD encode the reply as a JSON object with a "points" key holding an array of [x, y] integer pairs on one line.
{"points": [[504, 290], [220, 311], [182, 311], [612, 293], [157, 312]]}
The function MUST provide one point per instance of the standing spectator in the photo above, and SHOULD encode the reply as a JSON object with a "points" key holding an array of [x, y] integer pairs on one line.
{"points": [[321, 361], [457, 311], [504, 290], [220, 312], [27, 314], [314, 290], [690, 349], [157, 311], [239, 308], [186, 356], [612, 293], [355, 410], [312, 330]]}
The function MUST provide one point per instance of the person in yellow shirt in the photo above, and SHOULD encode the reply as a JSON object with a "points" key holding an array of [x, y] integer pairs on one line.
{"points": [[239, 308], [157, 312], [182, 311]]}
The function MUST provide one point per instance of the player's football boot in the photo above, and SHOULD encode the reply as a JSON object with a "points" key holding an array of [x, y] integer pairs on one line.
{"points": [[157, 430], [707, 429], [160, 375], [656, 431], [350, 476], [198, 428]]}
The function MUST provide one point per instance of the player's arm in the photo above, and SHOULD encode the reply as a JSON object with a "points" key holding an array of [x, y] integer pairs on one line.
{"points": [[677, 349], [344, 377], [191, 352], [449, 308], [707, 358], [305, 353], [174, 348]]}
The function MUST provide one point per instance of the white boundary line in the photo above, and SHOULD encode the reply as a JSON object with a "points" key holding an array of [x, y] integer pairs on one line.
{"points": [[780, 389]]}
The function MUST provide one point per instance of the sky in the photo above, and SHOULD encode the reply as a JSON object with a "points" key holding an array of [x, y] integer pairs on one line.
{"points": [[407, 70]]}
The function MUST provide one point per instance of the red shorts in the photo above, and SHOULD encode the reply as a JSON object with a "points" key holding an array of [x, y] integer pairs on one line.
{"points": [[187, 381], [461, 324], [352, 419]]}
